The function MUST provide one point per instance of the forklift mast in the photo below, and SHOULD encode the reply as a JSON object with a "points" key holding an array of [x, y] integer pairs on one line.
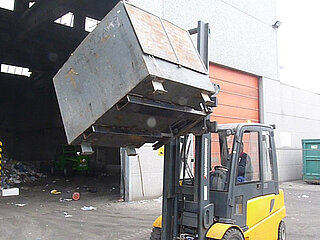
{"points": [[197, 211]]}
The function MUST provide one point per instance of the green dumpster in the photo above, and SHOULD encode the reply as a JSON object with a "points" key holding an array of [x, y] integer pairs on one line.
{"points": [[311, 160]]}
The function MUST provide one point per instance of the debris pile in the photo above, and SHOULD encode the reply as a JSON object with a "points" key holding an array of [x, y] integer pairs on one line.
{"points": [[15, 173]]}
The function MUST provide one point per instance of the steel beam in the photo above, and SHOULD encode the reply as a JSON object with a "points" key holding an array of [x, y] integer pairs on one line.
{"points": [[203, 42], [169, 228], [201, 186], [44, 12], [20, 6]]}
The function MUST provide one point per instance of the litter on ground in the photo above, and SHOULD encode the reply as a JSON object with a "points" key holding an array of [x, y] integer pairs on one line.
{"points": [[15, 173], [21, 204], [65, 200], [55, 192], [67, 215], [85, 208]]}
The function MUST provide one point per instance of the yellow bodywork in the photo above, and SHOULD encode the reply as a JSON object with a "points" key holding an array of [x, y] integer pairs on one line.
{"points": [[219, 229], [158, 222], [263, 219]]}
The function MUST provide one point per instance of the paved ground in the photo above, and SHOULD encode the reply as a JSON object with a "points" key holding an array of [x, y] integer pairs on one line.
{"points": [[43, 217], [303, 210]]}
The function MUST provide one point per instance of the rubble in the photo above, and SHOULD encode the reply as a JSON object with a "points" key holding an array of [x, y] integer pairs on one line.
{"points": [[15, 173]]}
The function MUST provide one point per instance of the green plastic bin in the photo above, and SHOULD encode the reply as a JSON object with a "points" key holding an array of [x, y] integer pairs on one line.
{"points": [[311, 160]]}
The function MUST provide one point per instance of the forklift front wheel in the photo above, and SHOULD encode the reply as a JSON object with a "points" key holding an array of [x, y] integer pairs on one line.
{"points": [[233, 234], [155, 234], [282, 231]]}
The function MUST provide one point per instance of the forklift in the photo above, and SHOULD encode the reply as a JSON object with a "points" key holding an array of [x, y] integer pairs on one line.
{"points": [[69, 159], [138, 78], [230, 190], [235, 200]]}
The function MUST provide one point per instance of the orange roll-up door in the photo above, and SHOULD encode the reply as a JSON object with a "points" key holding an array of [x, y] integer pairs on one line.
{"points": [[238, 100]]}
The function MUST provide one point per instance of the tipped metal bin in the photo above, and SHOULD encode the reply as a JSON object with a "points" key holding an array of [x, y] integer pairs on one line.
{"points": [[136, 78]]}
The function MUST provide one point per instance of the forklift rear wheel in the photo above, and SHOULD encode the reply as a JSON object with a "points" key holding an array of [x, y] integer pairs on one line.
{"points": [[67, 170], [233, 234], [282, 231], [155, 234]]}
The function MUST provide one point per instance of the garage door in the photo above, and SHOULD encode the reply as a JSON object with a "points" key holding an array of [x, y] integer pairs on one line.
{"points": [[238, 100]]}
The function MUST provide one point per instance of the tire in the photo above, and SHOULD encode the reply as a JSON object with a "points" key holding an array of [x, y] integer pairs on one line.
{"points": [[282, 231], [155, 234], [233, 234], [67, 170]]}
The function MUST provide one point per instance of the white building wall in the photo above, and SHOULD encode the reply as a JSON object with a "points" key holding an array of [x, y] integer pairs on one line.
{"points": [[296, 113], [146, 174]]}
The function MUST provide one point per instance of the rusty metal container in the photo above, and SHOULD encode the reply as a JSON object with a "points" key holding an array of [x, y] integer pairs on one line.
{"points": [[136, 78]]}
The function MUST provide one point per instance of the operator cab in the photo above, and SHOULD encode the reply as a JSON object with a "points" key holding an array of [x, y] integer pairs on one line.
{"points": [[244, 166], [239, 198]]}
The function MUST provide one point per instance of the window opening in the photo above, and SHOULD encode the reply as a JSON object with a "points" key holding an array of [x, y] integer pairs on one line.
{"points": [[91, 24], [221, 155], [268, 173], [67, 19], [16, 70], [7, 4], [249, 160]]}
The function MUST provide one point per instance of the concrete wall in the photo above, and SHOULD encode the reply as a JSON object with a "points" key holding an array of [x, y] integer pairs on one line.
{"points": [[145, 174], [296, 113]]}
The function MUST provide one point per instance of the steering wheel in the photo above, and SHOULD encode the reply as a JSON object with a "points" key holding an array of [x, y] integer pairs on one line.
{"points": [[220, 167]]}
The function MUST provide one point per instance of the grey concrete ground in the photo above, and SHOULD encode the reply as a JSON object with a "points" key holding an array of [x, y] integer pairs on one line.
{"points": [[303, 210], [43, 217]]}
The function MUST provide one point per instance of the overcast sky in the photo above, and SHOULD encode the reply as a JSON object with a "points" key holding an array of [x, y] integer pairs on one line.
{"points": [[298, 41]]}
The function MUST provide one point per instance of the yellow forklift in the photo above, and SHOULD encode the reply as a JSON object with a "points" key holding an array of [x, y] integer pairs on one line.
{"points": [[239, 198], [138, 78]]}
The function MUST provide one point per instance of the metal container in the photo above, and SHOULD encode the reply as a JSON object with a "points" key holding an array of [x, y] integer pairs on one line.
{"points": [[311, 160], [136, 78]]}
